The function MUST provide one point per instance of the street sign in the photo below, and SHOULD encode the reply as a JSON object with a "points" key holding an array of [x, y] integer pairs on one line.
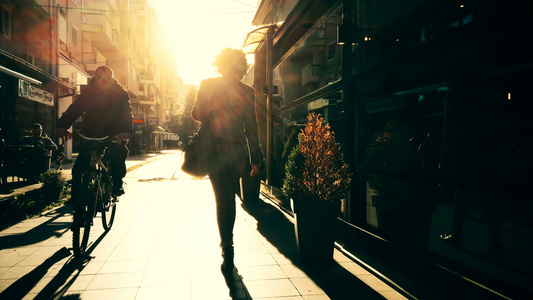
{"points": [[152, 121]]}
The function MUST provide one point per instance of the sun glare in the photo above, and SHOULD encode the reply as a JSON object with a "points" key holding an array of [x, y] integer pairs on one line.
{"points": [[199, 29]]}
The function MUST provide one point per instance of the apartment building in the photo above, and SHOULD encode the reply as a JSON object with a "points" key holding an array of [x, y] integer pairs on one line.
{"points": [[51, 49], [29, 68]]}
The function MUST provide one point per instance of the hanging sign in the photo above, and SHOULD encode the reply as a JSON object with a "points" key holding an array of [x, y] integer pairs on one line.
{"points": [[26, 90], [152, 121]]}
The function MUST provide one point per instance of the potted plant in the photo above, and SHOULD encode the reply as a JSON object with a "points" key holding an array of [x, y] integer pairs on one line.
{"points": [[316, 180]]}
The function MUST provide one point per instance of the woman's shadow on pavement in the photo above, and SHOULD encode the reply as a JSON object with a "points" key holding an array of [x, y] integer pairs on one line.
{"points": [[332, 278]]}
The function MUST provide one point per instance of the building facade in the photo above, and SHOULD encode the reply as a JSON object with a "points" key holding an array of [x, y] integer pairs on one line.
{"points": [[430, 103], [50, 49], [29, 75]]}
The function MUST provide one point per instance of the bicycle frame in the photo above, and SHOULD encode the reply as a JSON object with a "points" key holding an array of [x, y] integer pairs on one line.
{"points": [[95, 194]]}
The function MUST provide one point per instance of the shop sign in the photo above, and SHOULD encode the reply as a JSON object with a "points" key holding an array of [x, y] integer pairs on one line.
{"points": [[152, 121], [26, 90]]}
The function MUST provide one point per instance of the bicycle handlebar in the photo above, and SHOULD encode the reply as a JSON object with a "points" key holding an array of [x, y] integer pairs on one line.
{"points": [[95, 139]]}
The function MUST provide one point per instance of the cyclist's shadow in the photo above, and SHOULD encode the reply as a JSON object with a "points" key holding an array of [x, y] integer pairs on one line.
{"points": [[25, 284], [64, 279]]}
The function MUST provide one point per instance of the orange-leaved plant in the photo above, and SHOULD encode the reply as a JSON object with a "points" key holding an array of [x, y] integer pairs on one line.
{"points": [[316, 170]]}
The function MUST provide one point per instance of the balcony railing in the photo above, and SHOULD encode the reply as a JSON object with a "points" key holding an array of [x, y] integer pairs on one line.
{"points": [[147, 76], [100, 29], [89, 58], [64, 49]]}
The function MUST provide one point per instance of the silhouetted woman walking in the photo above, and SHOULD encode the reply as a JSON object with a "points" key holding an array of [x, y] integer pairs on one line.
{"points": [[226, 109]]}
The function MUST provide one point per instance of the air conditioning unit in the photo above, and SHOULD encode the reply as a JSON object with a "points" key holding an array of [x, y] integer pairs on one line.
{"points": [[307, 75], [67, 80]]}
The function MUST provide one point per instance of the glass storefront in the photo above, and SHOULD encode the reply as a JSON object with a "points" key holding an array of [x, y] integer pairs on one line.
{"points": [[444, 131], [307, 81], [442, 125], [29, 112]]}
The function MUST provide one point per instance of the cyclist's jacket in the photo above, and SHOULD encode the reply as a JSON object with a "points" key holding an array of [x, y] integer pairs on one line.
{"points": [[106, 112]]}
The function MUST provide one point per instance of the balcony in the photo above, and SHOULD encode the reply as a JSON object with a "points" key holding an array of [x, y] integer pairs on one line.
{"points": [[90, 60], [98, 28], [147, 101], [147, 76]]}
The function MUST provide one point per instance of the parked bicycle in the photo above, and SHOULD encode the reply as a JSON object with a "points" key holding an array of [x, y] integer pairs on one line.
{"points": [[95, 193]]}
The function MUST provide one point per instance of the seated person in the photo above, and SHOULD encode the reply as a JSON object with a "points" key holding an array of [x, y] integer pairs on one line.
{"points": [[39, 154]]}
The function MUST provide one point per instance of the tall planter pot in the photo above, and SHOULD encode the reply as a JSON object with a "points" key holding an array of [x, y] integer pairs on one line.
{"points": [[315, 227], [250, 188]]}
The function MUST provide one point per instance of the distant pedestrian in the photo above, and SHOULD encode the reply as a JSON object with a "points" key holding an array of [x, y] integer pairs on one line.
{"points": [[40, 153], [226, 109]]}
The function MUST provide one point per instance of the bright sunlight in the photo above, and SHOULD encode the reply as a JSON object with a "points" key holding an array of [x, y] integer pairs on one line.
{"points": [[200, 29]]}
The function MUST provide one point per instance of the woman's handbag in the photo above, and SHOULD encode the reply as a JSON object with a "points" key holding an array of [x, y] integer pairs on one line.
{"points": [[198, 155]]}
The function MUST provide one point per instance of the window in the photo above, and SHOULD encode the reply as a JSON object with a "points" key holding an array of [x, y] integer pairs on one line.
{"points": [[331, 51], [74, 36], [62, 30], [5, 18]]}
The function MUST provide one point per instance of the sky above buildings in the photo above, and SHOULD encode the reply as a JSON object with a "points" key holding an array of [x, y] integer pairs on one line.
{"points": [[199, 29]]}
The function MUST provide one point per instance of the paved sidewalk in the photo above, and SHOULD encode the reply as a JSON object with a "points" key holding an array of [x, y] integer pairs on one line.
{"points": [[164, 245]]}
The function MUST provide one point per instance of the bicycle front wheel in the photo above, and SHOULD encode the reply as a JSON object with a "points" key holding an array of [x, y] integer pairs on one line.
{"points": [[81, 226], [109, 208], [80, 238]]}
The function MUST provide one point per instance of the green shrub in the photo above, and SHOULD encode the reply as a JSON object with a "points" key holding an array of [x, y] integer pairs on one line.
{"points": [[316, 170], [23, 202], [294, 169], [54, 185], [292, 142]]}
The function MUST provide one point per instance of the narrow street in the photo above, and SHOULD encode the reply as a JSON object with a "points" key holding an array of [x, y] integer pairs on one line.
{"points": [[164, 245]]}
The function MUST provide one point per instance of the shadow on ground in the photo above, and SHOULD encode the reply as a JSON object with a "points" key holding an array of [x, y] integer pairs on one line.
{"points": [[61, 282], [332, 278], [38, 233], [236, 287]]}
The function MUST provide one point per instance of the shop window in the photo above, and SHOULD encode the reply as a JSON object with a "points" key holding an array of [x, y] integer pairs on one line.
{"points": [[331, 51], [312, 64], [288, 124]]}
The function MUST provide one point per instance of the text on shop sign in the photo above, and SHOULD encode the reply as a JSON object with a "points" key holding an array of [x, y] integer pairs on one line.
{"points": [[26, 90]]}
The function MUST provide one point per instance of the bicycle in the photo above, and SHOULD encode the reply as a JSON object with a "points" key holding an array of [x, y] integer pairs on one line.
{"points": [[95, 193]]}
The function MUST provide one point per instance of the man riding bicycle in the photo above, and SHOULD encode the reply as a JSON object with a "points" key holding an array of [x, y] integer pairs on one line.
{"points": [[106, 111]]}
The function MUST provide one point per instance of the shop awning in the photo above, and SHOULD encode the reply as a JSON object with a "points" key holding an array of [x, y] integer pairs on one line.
{"points": [[19, 76], [158, 129], [21, 66], [255, 38]]}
